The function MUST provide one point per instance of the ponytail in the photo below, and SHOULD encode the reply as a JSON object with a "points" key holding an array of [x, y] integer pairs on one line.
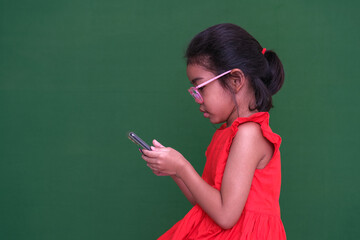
{"points": [[267, 80], [276, 72]]}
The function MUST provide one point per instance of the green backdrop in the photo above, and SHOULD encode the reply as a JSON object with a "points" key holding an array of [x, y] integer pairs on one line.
{"points": [[77, 75]]}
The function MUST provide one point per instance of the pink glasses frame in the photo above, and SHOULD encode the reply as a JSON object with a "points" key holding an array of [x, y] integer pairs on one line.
{"points": [[194, 90]]}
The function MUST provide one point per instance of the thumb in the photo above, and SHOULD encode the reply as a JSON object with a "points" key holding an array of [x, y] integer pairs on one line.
{"points": [[157, 144]]}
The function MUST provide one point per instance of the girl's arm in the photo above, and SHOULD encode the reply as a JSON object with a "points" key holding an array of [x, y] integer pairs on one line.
{"points": [[177, 180], [184, 189], [249, 147]]}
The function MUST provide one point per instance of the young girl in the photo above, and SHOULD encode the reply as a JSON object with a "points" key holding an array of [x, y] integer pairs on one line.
{"points": [[237, 196]]}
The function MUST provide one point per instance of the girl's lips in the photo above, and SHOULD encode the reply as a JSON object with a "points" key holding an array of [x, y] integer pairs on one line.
{"points": [[206, 114]]}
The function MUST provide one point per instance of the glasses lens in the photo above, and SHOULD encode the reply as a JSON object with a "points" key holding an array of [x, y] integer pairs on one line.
{"points": [[196, 95]]}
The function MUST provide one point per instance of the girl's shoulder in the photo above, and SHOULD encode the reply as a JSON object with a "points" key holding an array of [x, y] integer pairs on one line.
{"points": [[249, 130], [258, 123], [250, 134]]}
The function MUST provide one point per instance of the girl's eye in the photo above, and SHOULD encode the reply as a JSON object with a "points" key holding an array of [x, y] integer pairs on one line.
{"points": [[201, 88]]}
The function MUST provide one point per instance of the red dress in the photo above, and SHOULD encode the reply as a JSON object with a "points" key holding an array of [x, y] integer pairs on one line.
{"points": [[260, 218]]}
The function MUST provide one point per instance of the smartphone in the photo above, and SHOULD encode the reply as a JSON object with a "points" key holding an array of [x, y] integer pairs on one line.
{"points": [[133, 137]]}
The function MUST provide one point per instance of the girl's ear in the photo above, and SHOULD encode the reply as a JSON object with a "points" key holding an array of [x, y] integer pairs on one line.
{"points": [[236, 79]]}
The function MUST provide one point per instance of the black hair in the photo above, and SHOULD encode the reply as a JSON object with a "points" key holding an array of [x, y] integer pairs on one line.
{"points": [[227, 46]]}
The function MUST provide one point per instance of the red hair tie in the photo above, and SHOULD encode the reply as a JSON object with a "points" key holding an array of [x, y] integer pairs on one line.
{"points": [[263, 51]]}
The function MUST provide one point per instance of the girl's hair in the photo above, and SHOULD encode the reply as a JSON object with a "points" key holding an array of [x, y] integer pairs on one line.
{"points": [[227, 46]]}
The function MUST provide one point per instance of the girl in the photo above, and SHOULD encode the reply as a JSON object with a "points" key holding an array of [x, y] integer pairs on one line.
{"points": [[237, 196]]}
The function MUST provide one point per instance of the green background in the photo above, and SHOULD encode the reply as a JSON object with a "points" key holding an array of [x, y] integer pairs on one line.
{"points": [[76, 76]]}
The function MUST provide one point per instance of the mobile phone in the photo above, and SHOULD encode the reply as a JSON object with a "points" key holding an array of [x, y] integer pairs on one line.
{"points": [[137, 140]]}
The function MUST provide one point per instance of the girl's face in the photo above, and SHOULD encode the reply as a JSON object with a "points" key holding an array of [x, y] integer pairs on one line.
{"points": [[218, 103]]}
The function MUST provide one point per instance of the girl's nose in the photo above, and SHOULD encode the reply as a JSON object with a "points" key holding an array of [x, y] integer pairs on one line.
{"points": [[199, 100]]}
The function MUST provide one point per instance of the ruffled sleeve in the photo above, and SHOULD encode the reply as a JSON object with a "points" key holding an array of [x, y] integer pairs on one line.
{"points": [[261, 118]]}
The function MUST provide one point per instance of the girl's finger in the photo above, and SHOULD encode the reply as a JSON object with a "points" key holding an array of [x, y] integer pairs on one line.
{"points": [[160, 174], [153, 166], [152, 154], [157, 144], [148, 159]]}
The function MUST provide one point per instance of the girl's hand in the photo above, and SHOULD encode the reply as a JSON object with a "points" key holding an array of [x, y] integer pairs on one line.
{"points": [[163, 161]]}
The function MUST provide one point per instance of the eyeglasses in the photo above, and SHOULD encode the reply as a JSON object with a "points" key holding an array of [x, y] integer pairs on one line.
{"points": [[196, 94]]}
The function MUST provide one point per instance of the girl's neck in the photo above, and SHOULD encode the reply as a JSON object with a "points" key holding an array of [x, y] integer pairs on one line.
{"points": [[238, 112]]}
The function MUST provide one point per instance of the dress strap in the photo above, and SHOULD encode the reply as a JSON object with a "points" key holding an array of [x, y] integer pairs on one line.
{"points": [[261, 118]]}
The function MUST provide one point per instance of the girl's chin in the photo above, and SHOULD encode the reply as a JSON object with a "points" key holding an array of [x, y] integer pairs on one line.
{"points": [[212, 118], [214, 121]]}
